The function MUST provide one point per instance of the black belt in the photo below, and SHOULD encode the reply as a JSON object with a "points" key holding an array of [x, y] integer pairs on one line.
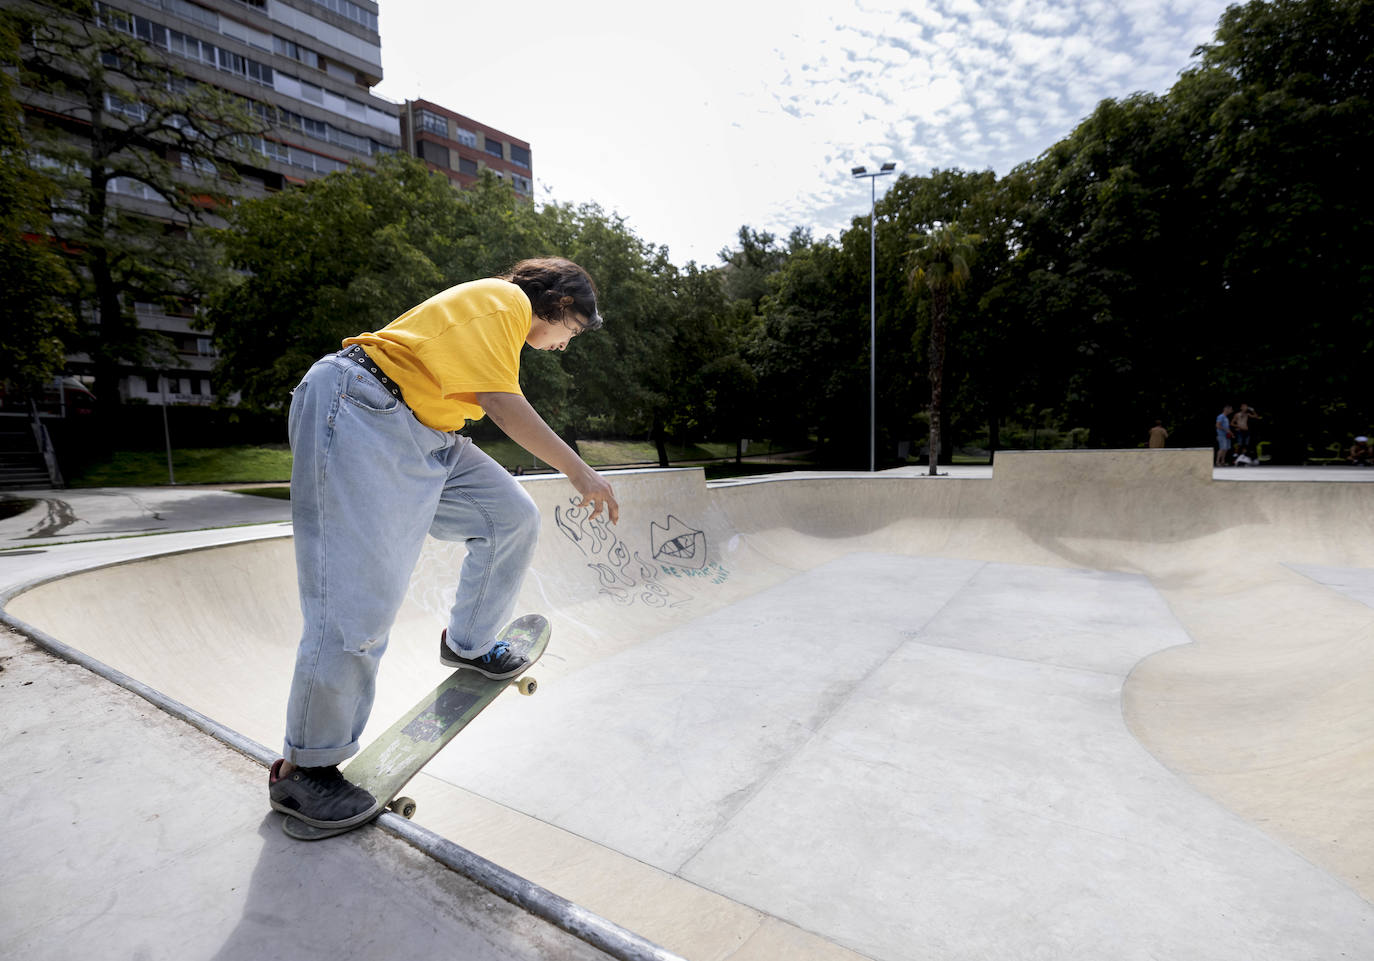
{"points": [[359, 357]]}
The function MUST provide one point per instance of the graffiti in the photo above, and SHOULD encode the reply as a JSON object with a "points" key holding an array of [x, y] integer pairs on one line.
{"points": [[677, 544], [713, 573], [623, 573]]}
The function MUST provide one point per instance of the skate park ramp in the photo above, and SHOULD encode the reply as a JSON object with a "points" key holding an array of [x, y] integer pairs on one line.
{"points": [[1096, 705]]}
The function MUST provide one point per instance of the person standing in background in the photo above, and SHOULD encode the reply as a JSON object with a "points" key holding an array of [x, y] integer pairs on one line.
{"points": [[1240, 426], [1158, 435], [1223, 435]]}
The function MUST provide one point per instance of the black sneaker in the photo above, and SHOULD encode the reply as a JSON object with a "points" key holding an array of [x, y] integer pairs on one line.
{"points": [[320, 796], [498, 663]]}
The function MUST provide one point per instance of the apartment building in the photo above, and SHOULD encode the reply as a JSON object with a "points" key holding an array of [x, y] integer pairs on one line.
{"points": [[461, 148], [309, 65]]}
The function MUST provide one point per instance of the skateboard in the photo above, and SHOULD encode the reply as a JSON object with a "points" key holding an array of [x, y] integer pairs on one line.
{"points": [[386, 765]]}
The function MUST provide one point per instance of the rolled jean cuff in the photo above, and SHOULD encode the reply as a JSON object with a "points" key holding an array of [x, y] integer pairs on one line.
{"points": [[319, 757]]}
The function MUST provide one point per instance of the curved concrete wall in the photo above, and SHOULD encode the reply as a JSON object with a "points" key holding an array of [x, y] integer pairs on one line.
{"points": [[1256, 689]]}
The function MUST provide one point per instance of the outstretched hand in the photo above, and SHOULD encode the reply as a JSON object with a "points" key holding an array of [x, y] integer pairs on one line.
{"points": [[522, 424], [596, 491]]}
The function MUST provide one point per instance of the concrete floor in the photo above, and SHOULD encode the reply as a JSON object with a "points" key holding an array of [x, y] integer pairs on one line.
{"points": [[132, 835], [1090, 704]]}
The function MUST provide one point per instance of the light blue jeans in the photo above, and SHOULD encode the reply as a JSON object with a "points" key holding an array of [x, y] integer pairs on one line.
{"points": [[368, 482]]}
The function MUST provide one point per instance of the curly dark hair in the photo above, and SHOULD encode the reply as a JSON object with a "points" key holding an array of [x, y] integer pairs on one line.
{"points": [[558, 290]]}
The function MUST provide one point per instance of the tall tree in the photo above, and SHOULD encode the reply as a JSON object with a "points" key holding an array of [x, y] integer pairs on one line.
{"points": [[984, 374], [628, 378], [1155, 237], [350, 252], [36, 319], [344, 254], [809, 348], [139, 153], [1109, 215], [1289, 166], [941, 263]]}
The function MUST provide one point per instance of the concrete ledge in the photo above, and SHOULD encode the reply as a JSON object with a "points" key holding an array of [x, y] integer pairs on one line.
{"points": [[1098, 467]]}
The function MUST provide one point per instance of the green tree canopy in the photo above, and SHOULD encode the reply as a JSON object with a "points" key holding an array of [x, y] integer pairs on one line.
{"points": [[36, 319], [1202, 247], [123, 125], [338, 256], [352, 251]]}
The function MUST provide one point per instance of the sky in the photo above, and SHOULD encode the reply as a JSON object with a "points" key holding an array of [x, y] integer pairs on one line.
{"points": [[691, 119]]}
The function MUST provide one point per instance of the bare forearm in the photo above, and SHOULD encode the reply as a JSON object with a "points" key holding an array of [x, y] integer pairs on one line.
{"points": [[522, 424]]}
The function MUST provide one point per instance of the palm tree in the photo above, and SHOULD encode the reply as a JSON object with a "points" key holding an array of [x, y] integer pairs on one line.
{"points": [[940, 261]]}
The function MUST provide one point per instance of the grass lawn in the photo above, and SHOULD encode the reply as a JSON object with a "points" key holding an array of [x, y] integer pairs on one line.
{"points": [[211, 465], [259, 465], [620, 453]]}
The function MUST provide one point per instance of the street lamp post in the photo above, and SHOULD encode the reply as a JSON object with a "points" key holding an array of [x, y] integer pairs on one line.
{"points": [[858, 173], [166, 430]]}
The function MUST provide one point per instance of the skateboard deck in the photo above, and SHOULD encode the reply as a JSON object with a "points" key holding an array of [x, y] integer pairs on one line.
{"points": [[386, 765]]}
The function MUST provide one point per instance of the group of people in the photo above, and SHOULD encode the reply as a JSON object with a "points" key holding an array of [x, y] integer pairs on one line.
{"points": [[1235, 436], [1235, 439], [1235, 443]]}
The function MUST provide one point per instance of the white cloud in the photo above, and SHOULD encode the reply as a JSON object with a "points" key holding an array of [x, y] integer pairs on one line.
{"points": [[692, 121]]}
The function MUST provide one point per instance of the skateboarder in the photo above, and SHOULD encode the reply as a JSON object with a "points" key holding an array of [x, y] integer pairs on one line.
{"points": [[378, 465]]}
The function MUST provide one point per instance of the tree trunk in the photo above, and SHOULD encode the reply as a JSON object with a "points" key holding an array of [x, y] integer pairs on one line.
{"points": [[660, 440], [570, 438], [108, 331], [105, 329], [939, 309]]}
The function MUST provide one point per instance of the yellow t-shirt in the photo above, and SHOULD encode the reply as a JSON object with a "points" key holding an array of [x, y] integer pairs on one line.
{"points": [[443, 352]]}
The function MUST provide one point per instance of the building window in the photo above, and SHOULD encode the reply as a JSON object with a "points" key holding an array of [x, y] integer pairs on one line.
{"points": [[193, 12], [434, 153], [466, 166], [205, 168], [520, 156], [495, 147], [150, 382], [432, 122], [466, 137], [259, 73], [521, 184], [352, 11], [134, 111], [275, 151], [288, 48], [134, 188]]}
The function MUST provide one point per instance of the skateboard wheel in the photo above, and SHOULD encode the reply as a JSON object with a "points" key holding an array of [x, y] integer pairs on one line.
{"points": [[526, 685], [404, 806]]}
